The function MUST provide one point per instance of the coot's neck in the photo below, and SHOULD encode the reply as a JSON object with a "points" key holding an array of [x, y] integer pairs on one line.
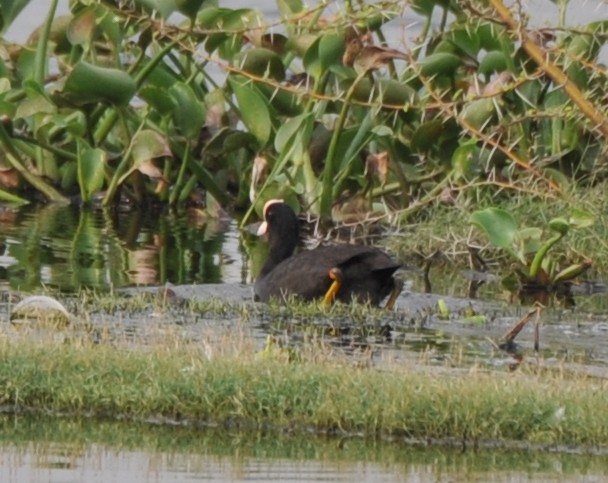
{"points": [[282, 240]]}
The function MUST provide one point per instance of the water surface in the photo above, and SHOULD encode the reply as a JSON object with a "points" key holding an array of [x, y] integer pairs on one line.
{"points": [[35, 449]]}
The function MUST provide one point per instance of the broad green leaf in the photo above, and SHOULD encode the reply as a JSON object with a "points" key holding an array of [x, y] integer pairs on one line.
{"points": [[284, 102], [147, 145], [559, 225], [466, 39], [189, 8], [478, 112], [580, 218], [441, 63], [91, 167], [253, 108], [163, 7], [498, 224], [287, 131], [387, 91], [464, 160], [158, 98], [188, 112], [81, 29], [425, 137], [324, 52], [262, 63], [89, 84], [290, 7], [494, 61]]}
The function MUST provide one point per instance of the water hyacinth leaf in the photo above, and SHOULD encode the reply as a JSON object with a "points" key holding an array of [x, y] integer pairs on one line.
{"points": [[261, 62], [441, 63], [494, 61], [238, 140], [467, 41], [88, 84], [425, 137], [189, 7], [529, 240], [254, 109], [323, 53], [163, 7], [498, 224], [284, 102], [287, 131], [290, 7], [331, 49], [580, 218], [559, 225], [492, 37], [425, 7], [147, 145], [464, 160], [388, 91], [81, 29], [158, 98], [478, 112], [188, 112], [91, 168], [35, 103]]}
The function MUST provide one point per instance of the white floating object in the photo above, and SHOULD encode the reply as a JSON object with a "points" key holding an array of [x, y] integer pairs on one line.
{"points": [[41, 308]]}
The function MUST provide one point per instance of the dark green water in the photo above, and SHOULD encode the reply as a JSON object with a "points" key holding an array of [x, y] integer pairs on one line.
{"points": [[68, 450]]}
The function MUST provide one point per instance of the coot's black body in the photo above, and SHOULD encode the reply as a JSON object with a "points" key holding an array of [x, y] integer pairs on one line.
{"points": [[366, 273]]}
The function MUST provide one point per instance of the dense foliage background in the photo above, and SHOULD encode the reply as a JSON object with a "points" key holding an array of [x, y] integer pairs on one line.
{"points": [[127, 101]]}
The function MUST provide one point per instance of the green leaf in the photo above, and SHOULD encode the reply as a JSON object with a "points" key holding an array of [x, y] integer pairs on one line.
{"points": [[426, 135], [441, 63], [91, 167], [89, 84], [324, 52], [81, 28], [147, 145], [290, 7], [498, 224], [464, 160], [188, 112], [189, 7], [478, 112], [580, 218], [494, 61], [467, 40], [254, 109], [262, 63]]}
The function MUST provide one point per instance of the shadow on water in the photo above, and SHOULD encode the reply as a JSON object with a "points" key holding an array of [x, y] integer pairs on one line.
{"points": [[87, 450]]}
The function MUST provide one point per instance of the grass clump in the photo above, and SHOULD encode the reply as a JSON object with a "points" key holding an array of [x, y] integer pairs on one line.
{"points": [[237, 385]]}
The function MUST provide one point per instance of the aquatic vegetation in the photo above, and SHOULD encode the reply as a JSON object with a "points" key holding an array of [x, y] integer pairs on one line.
{"points": [[115, 103], [530, 247]]}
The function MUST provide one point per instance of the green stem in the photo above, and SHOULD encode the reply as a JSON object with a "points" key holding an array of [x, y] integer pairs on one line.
{"points": [[40, 61], [541, 253], [180, 176], [120, 170], [12, 156], [109, 121], [330, 161]]}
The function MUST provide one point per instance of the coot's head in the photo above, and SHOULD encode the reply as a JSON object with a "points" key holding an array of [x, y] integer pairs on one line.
{"points": [[281, 225]]}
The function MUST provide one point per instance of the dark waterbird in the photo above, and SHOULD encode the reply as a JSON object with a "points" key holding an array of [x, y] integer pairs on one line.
{"points": [[337, 272]]}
